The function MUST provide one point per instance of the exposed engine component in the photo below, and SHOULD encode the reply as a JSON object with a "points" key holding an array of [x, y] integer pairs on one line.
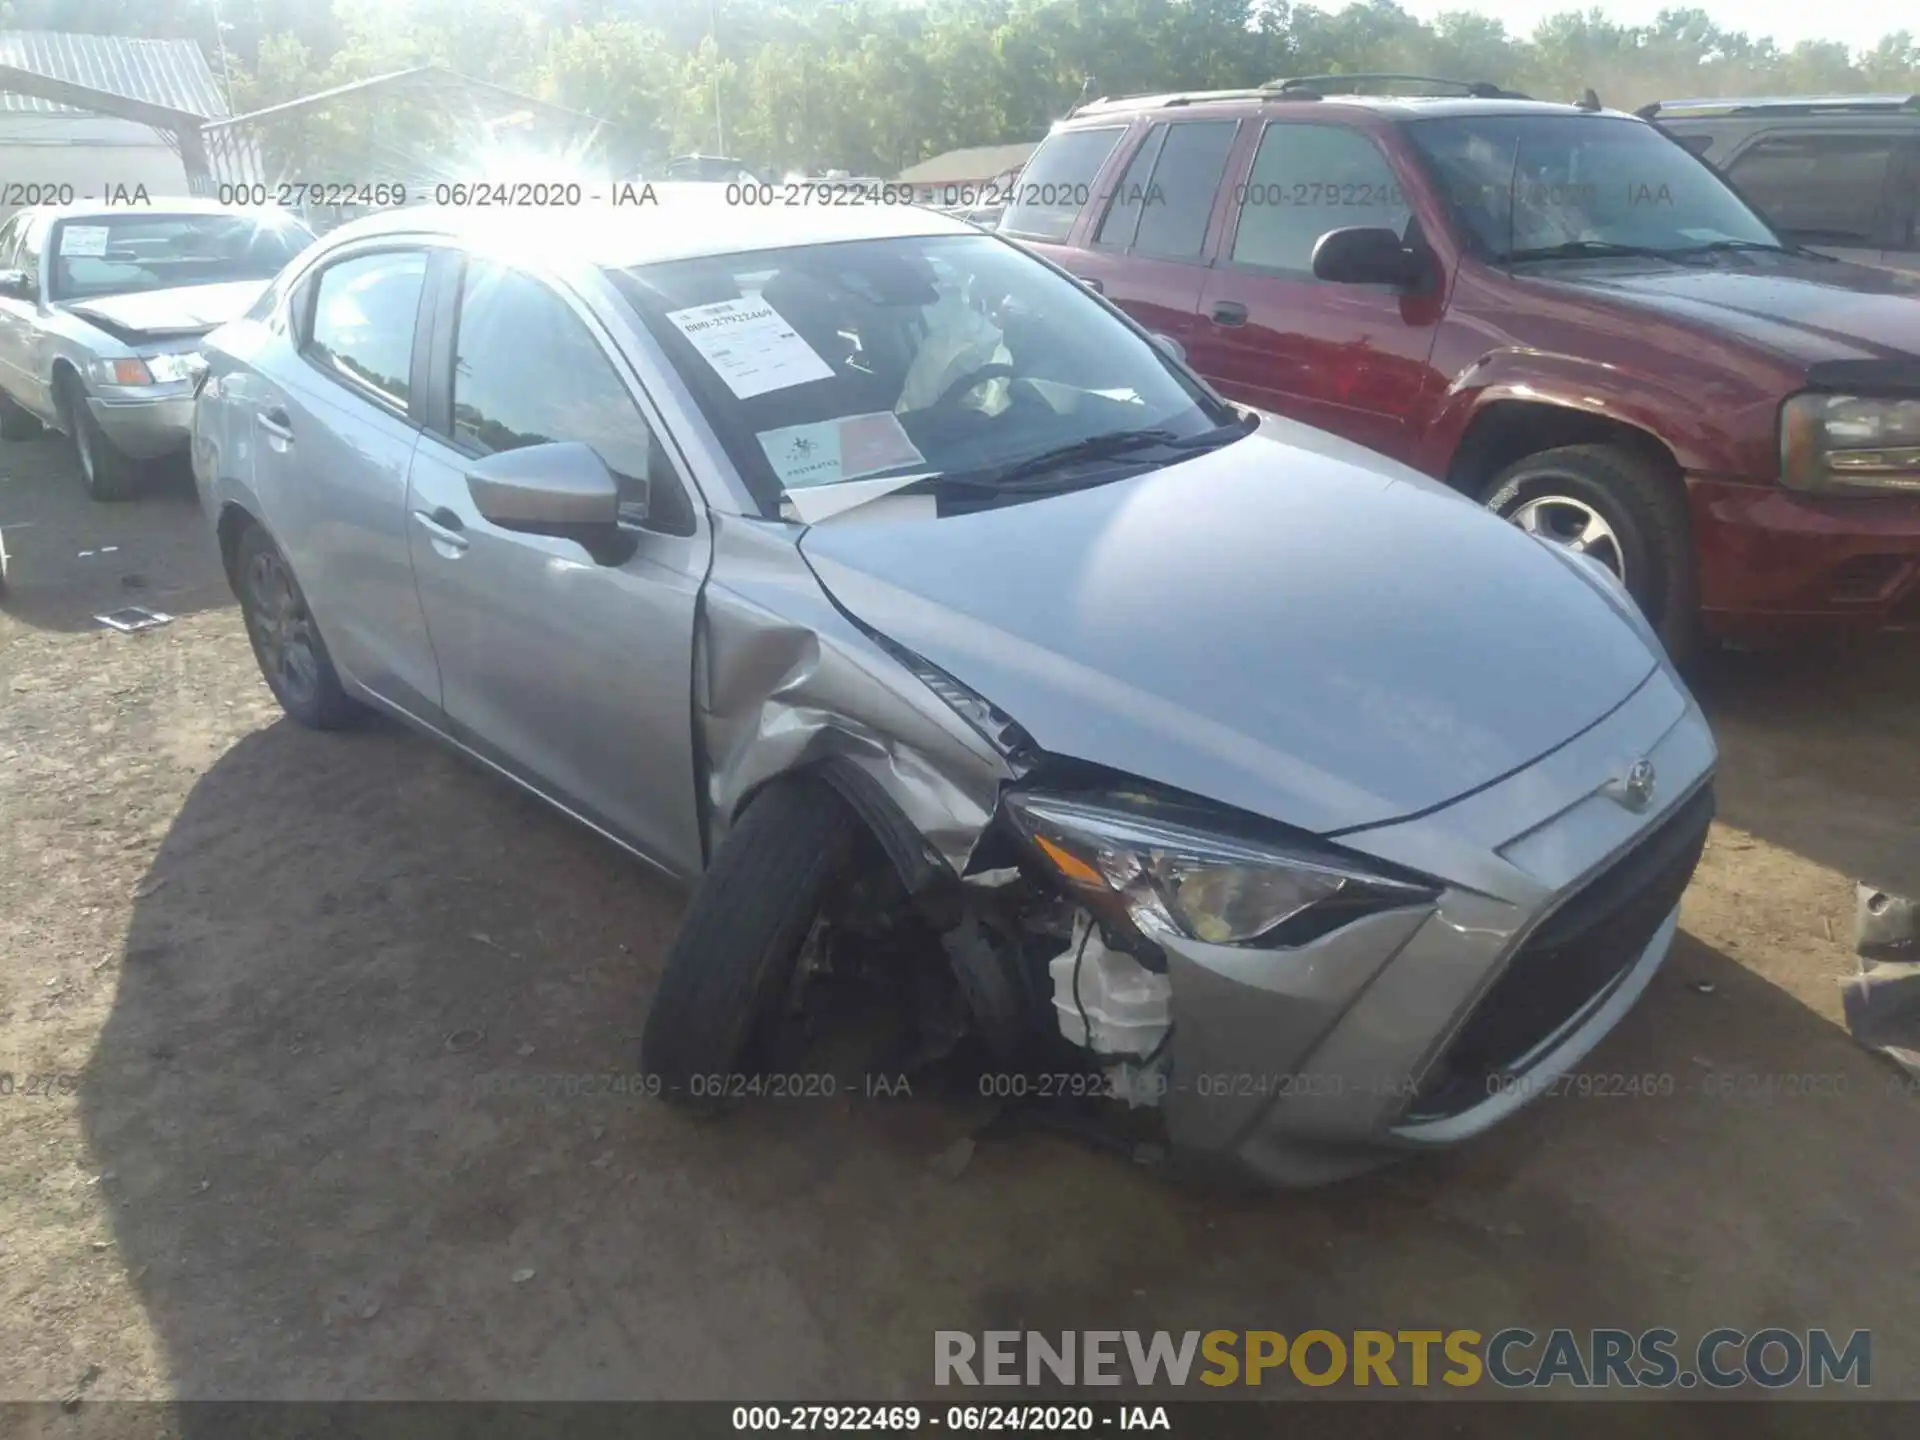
{"points": [[1105, 1000]]}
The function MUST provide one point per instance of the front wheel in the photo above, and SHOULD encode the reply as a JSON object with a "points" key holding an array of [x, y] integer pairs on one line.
{"points": [[1616, 508], [109, 475], [732, 965]]}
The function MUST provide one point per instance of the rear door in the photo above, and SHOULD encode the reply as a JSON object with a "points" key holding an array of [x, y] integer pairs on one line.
{"points": [[1153, 237], [333, 422], [572, 673], [1831, 189], [1347, 358]]}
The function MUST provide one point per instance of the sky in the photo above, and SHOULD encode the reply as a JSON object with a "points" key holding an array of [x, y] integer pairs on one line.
{"points": [[1787, 21]]}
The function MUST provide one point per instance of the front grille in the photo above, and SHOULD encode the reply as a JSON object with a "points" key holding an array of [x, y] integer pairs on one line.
{"points": [[1574, 956]]}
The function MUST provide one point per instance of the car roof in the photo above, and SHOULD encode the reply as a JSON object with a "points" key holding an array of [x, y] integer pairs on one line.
{"points": [[1796, 105], [682, 221], [1394, 107]]}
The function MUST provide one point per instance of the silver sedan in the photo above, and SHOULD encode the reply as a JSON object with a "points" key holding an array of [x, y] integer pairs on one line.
{"points": [[953, 636], [101, 315]]}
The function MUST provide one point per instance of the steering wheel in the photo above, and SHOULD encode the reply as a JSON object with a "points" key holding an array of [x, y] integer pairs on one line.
{"points": [[972, 380]]}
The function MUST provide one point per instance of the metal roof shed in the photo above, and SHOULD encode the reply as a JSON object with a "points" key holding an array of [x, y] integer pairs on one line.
{"points": [[88, 112]]}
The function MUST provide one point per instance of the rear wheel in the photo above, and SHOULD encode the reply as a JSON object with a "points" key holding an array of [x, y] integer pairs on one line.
{"points": [[286, 641], [1615, 507], [109, 475], [731, 969]]}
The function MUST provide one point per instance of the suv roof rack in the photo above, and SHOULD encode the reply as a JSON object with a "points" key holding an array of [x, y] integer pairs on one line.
{"points": [[1782, 105], [1318, 85]]}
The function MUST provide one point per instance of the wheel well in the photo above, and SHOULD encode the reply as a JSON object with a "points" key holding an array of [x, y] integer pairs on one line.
{"points": [[63, 370], [1510, 430], [233, 522]]}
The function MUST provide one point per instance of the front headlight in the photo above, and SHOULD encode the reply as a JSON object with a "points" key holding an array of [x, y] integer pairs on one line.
{"points": [[1849, 442], [153, 370], [168, 368], [1159, 869]]}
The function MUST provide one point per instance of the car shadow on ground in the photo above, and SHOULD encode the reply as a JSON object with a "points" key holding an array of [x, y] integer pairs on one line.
{"points": [[71, 558], [320, 1193], [1818, 752]]}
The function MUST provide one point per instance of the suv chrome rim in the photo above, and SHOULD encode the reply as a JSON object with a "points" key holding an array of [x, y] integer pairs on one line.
{"points": [[282, 630], [1575, 525]]}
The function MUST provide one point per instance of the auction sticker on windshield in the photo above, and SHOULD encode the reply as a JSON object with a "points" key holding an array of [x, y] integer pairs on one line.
{"points": [[84, 240], [831, 450], [750, 346]]}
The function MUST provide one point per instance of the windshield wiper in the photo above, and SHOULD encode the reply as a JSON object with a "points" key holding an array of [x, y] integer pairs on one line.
{"points": [[1582, 249], [1721, 247], [1021, 475]]}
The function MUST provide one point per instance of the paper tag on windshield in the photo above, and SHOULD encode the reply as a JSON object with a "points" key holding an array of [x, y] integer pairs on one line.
{"points": [[750, 346], [833, 450], [84, 240]]}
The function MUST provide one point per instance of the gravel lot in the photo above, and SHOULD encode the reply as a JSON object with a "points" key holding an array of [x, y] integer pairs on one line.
{"points": [[241, 949]]}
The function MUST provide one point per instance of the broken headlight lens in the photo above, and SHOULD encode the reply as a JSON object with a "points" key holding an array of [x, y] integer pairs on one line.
{"points": [[1168, 877]]}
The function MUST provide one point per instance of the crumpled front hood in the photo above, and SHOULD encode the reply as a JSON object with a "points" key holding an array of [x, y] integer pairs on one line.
{"points": [[1807, 310], [191, 308], [1306, 631]]}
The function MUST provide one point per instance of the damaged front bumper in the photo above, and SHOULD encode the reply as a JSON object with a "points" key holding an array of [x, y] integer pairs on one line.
{"points": [[1418, 1028]]}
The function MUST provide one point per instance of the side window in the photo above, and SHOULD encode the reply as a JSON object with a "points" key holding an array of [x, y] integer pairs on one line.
{"points": [[1307, 180], [1122, 220], [1058, 182], [364, 312], [1180, 202], [527, 371], [1818, 187], [1697, 143], [9, 238]]}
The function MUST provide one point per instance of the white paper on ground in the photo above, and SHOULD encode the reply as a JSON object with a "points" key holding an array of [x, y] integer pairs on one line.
{"points": [[83, 240], [750, 346], [827, 452]]}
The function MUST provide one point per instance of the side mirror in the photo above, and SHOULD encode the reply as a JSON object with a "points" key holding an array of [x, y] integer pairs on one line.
{"points": [[1366, 255], [16, 285], [1174, 349], [561, 488]]}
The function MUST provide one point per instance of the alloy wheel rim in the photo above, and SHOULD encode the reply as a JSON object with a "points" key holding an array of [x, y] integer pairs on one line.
{"points": [[282, 630], [1573, 525]]}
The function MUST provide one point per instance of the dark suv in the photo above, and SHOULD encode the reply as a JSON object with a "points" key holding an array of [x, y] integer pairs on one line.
{"points": [[1556, 308], [1840, 173]]}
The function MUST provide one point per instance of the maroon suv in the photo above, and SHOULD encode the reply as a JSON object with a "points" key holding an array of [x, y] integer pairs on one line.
{"points": [[1556, 308]]}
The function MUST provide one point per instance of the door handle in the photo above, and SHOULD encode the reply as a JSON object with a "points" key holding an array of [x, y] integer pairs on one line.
{"points": [[276, 422], [1094, 285], [446, 529], [1229, 312]]}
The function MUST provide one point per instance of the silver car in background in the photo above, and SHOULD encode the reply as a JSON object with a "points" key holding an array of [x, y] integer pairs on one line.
{"points": [[101, 315], [950, 634]]}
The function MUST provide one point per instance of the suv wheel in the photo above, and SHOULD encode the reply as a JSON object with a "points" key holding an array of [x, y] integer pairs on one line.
{"points": [[1612, 505]]}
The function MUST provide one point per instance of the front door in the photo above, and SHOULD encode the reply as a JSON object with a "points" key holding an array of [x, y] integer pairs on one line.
{"points": [[1347, 358], [573, 675]]}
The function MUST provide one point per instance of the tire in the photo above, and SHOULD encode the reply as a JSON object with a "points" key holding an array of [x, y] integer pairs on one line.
{"points": [[16, 423], [286, 639], [732, 963], [1643, 511], [108, 475]]}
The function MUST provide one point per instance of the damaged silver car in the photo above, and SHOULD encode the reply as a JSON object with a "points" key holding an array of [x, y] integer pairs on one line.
{"points": [[947, 630]]}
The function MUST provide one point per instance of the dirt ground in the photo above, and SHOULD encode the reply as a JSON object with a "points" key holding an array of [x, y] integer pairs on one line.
{"points": [[267, 970]]}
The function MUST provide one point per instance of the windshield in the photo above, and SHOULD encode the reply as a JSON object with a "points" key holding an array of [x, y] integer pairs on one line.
{"points": [[121, 254], [926, 355], [1524, 184]]}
